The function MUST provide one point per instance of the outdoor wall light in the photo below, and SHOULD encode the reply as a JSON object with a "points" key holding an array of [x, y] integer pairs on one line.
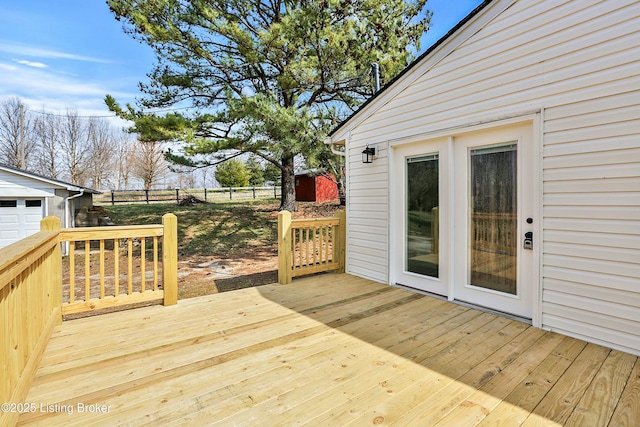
{"points": [[367, 154]]}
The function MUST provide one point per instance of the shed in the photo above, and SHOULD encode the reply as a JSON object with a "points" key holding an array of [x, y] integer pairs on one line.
{"points": [[506, 172], [315, 187], [26, 198]]}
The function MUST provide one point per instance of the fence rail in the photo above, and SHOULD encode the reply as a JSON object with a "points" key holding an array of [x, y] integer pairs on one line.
{"points": [[307, 246], [175, 195]]}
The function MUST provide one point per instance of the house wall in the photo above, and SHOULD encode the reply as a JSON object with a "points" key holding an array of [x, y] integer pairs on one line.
{"points": [[578, 64]]}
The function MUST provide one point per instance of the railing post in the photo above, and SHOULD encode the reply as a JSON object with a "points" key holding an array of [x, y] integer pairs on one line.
{"points": [[170, 259], [284, 247], [53, 223], [113, 198], [341, 240]]}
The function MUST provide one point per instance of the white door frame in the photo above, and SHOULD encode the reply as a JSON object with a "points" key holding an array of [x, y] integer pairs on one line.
{"points": [[405, 147]]}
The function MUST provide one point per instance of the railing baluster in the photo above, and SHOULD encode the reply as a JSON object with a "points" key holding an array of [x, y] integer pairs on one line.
{"points": [[87, 270], [116, 267], [325, 244], [101, 268], [314, 237], [306, 246], [143, 261], [155, 263], [296, 247], [130, 266], [72, 271]]}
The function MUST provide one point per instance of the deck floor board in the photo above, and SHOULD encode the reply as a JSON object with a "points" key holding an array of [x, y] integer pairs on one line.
{"points": [[326, 350]]}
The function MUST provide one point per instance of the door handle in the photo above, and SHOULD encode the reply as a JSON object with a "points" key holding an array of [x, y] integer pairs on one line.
{"points": [[528, 240]]}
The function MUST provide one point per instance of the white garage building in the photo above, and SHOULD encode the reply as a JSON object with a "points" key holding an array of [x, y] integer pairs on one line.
{"points": [[26, 198]]}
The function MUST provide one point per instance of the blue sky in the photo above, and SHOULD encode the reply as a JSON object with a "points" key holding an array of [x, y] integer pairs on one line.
{"points": [[60, 54]]}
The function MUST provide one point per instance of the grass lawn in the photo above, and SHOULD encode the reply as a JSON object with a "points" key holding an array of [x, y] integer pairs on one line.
{"points": [[221, 228]]}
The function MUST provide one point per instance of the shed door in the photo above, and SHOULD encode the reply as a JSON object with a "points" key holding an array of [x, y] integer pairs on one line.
{"points": [[19, 218]]}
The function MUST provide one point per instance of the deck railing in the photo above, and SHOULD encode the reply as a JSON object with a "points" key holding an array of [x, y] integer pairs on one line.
{"points": [[31, 289], [307, 246], [115, 266], [30, 297]]}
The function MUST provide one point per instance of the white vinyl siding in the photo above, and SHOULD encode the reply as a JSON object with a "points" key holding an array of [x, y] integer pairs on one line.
{"points": [[368, 214], [591, 262], [579, 63]]}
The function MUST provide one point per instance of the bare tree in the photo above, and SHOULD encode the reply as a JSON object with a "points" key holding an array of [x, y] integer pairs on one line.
{"points": [[124, 146], [16, 128], [150, 164], [101, 160], [74, 148], [47, 138]]}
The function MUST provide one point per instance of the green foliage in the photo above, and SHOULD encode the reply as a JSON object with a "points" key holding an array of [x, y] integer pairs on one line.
{"points": [[267, 77], [271, 173], [256, 172], [232, 173]]}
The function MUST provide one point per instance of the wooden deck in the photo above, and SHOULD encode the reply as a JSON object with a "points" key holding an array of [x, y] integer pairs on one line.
{"points": [[327, 350]]}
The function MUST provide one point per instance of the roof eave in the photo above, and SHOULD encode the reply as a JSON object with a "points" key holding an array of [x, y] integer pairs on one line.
{"points": [[411, 66]]}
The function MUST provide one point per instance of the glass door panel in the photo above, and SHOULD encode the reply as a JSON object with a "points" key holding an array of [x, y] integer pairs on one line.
{"points": [[422, 231], [493, 225]]}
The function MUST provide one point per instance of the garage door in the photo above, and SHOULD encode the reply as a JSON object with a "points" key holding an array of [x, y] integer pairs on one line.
{"points": [[19, 218]]}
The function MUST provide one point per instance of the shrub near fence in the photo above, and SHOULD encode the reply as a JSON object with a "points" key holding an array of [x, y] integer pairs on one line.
{"points": [[207, 194]]}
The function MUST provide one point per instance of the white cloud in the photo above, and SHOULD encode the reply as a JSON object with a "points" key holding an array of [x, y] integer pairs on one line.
{"points": [[24, 50], [42, 88], [31, 63]]}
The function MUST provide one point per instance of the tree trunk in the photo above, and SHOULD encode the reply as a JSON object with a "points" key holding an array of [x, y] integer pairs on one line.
{"points": [[342, 193], [288, 185]]}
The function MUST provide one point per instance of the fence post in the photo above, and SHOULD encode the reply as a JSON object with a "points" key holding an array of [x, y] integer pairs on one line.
{"points": [[170, 258], [284, 247], [205, 194], [146, 195], [341, 240], [230, 193], [177, 195], [53, 223], [113, 199], [254, 192], [275, 196]]}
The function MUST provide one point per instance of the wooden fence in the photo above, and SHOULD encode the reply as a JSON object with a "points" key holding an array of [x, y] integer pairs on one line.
{"points": [[307, 246], [31, 284], [175, 195]]}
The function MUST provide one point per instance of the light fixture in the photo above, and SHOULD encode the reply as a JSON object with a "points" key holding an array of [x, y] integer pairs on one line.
{"points": [[367, 154]]}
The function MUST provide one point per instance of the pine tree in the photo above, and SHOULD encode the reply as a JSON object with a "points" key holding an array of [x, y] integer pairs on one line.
{"points": [[270, 77]]}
